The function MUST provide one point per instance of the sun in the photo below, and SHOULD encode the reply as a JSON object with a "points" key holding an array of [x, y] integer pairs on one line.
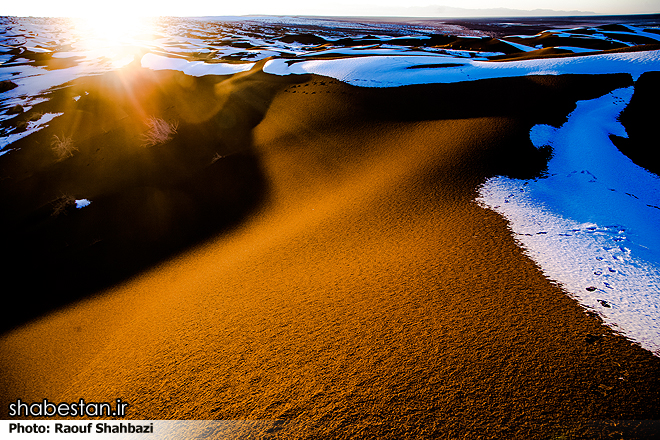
{"points": [[113, 28], [112, 36]]}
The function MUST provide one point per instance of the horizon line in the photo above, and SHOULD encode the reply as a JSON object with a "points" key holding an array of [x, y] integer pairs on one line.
{"points": [[585, 14]]}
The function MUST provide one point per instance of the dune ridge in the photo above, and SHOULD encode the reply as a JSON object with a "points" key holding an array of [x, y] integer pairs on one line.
{"points": [[369, 295], [296, 249]]}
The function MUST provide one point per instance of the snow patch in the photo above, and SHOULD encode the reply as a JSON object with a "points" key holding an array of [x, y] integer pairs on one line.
{"points": [[395, 71], [192, 68], [591, 222], [82, 203], [32, 127]]}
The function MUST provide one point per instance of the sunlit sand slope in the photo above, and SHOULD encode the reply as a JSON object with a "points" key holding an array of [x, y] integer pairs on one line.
{"points": [[367, 295]]}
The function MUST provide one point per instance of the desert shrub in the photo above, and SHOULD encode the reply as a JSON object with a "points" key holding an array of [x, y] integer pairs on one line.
{"points": [[63, 147], [63, 204], [159, 131], [216, 158]]}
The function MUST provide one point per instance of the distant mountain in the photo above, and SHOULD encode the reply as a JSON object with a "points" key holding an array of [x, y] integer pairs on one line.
{"points": [[502, 12], [440, 11]]}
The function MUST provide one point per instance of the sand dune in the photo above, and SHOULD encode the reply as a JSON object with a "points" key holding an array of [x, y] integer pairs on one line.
{"points": [[367, 295], [294, 248]]}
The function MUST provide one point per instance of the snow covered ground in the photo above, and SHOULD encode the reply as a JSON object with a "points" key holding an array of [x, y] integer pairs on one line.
{"points": [[394, 71], [591, 223]]}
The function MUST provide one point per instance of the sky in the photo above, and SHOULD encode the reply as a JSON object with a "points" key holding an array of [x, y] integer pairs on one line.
{"points": [[50, 8]]}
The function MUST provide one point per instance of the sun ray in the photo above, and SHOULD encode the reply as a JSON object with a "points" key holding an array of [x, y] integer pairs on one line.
{"points": [[114, 37]]}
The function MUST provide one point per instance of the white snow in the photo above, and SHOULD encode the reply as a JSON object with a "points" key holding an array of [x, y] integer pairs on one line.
{"points": [[33, 81], [519, 46], [32, 127], [81, 203], [591, 223], [576, 49], [374, 51], [650, 35], [192, 68], [393, 71]]}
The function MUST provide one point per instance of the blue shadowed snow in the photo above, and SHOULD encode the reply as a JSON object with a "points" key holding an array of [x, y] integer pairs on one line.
{"points": [[592, 223], [82, 203]]}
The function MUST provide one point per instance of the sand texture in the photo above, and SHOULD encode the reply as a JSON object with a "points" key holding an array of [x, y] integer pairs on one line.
{"points": [[308, 251]]}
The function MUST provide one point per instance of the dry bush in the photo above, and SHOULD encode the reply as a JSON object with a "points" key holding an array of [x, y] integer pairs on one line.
{"points": [[62, 148], [159, 131], [216, 158], [62, 204]]}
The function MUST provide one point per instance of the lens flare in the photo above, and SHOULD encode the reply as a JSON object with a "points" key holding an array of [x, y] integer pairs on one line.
{"points": [[113, 37]]}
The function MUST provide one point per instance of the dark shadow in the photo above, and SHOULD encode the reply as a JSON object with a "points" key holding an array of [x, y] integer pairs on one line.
{"points": [[504, 26], [529, 101], [639, 119], [150, 198]]}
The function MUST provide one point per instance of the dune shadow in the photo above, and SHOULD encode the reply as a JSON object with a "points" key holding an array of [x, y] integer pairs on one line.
{"points": [[639, 119], [159, 162], [167, 160], [546, 99]]}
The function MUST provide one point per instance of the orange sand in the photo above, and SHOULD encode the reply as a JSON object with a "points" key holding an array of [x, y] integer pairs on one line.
{"points": [[368, 295]]}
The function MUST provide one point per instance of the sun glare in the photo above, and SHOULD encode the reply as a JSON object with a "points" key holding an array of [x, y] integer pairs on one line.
{"points": [[112, 36], [112, 29]]}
